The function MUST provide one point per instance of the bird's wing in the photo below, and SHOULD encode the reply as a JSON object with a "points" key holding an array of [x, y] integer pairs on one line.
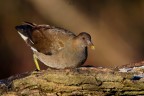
{"points": [[44, 38]]}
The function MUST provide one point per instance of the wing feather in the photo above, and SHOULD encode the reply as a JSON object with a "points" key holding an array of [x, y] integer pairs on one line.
{"points": [[46, 39]]}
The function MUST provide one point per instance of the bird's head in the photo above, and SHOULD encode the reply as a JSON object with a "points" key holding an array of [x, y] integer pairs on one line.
{"points": [[84, 39]]}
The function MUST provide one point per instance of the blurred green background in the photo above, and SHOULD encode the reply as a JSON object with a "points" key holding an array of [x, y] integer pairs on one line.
{"points": [[116, 27]]}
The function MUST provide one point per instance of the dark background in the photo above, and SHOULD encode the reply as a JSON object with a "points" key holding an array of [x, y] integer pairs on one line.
{"points": [[116, 27]]}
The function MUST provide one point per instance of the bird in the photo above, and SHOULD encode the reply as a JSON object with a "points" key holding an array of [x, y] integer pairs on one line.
{"points": [[54, 46]]}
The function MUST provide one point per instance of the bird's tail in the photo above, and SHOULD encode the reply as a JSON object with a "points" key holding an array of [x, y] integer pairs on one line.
{"points": [[25, 30]]}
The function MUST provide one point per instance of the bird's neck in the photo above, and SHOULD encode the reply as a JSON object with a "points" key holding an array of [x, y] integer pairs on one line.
{"points": [[78, 44], [77, 48]]}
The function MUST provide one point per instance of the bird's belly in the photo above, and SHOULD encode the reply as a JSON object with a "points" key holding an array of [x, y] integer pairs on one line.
{"points": [[59, 61]]}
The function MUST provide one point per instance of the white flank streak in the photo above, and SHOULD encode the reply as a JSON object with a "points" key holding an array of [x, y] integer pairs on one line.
{"points": [[33, 49], [24, 37], [31, 41]]}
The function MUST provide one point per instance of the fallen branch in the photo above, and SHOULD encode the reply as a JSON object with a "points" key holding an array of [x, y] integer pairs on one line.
{"points": [[81, 81]]}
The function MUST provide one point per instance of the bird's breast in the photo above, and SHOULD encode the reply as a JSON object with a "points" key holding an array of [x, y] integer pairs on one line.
{"points": [[63, 59]]}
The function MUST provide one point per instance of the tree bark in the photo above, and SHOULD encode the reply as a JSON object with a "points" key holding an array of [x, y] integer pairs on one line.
{"points": [[84, 81]]}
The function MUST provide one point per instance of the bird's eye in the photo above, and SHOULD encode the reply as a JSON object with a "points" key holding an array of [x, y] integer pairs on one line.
{"points": [[83, 38]]}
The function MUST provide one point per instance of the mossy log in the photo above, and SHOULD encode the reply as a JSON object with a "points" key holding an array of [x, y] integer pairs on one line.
{"points": [[73, 82]]}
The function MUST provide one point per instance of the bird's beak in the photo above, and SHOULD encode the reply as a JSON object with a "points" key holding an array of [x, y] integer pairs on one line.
{"points": [[91, 45]]}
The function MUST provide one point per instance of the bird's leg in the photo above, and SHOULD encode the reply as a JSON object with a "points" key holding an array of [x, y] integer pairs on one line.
{"points": [[36, 62]]}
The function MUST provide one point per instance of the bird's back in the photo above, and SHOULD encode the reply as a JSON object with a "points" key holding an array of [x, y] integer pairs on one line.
{"points": [[44, 38]]}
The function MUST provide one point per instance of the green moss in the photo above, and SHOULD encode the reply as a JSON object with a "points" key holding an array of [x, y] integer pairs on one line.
{"points": [[107, 85], [109, 77], [89, 87], [70, 79]]}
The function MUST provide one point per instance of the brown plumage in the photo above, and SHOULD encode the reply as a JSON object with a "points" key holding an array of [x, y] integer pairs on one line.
{"points": [[56, 47]]}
